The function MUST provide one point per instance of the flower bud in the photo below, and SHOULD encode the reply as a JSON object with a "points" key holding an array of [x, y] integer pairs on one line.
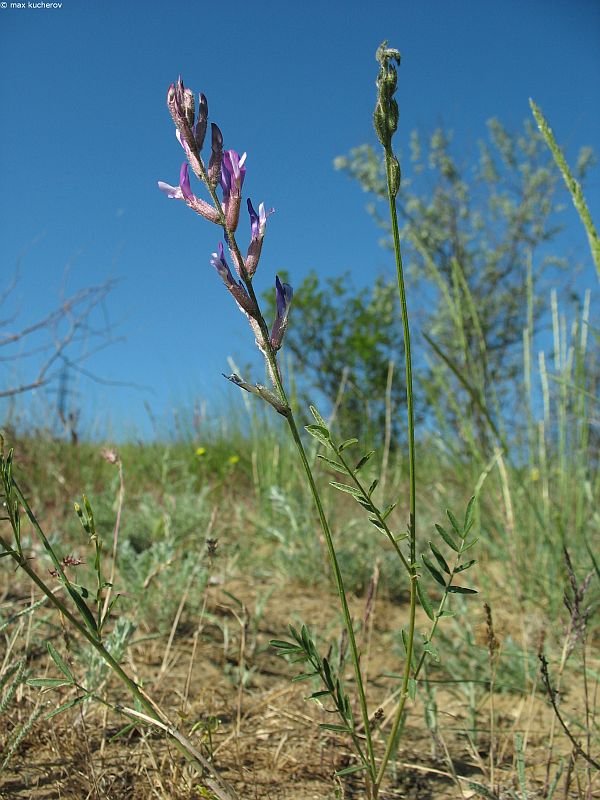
{"points": [[199, 129], [233, 173], [385, 116], [189, 106], [283, 298], [395, 176], [214, 165]]}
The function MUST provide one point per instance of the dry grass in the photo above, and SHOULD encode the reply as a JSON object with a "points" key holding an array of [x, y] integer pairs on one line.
{"points": [[266, 743]]}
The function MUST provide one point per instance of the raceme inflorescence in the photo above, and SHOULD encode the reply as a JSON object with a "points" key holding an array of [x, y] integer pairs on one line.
{"points": [[226, 171]]}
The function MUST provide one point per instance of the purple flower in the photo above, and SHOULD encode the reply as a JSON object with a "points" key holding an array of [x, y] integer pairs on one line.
{"points": [[216, 156], [199, 129], [232, 179], [220, 264], [191, 131], [241, 296], [181, 192], [283, 299], [184, 192], [258, 224], [174, 192], [184, 183], [233, 173]]}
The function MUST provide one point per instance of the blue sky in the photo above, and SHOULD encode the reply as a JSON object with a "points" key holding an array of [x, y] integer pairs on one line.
{"points": [[85, 135]]}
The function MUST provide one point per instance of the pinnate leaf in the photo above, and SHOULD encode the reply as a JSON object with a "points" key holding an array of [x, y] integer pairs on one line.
{"points": [[436, 574], [343, 487], [461, 590], [319, 433], [318, 418], [447, 538], [440, 558], [424, 600]]}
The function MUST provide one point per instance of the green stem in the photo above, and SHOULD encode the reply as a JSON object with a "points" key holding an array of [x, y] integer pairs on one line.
{"points": [[339, 582], [377, 513], [407, 361], [411, 477], [438, 615]]}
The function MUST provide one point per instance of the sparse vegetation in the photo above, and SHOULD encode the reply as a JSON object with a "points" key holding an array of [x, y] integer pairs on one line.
{"points": [[142, 630]]}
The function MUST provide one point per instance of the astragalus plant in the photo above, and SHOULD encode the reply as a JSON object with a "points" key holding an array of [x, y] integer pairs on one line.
{"points": [[225, 172]]}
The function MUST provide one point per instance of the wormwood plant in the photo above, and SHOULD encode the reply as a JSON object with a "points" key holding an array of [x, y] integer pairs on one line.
{"points": [[226, 169], [12, 676]]}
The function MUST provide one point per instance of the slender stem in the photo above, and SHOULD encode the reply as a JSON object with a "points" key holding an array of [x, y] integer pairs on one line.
{"points": [[438, 616], [271, 358], [411, 476], [83, 630], [339, 582], [407, 362], [376, 512]]}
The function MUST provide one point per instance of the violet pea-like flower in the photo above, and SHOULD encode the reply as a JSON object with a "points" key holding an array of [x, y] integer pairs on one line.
{"points": [[233, 173], [283, 298], [258, 224], [191, 130], [241, 296], [184, 192], [220, 264]]}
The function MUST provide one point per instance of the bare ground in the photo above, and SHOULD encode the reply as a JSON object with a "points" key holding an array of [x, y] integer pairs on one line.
{"points": [[265, 738]]}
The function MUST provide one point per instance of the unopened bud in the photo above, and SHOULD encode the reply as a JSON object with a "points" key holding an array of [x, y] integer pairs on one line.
{"points": [[380, 125], [214, 165], [385, 117], [395, 176], [199, 130], [189, 106]]}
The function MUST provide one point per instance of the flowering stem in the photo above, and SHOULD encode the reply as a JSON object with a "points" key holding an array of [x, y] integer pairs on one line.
{"points": [[337, 573], [271, 357], [393, 180]]}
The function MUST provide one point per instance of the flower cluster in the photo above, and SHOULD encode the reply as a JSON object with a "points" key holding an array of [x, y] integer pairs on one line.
{"points": [[226, 170]]}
